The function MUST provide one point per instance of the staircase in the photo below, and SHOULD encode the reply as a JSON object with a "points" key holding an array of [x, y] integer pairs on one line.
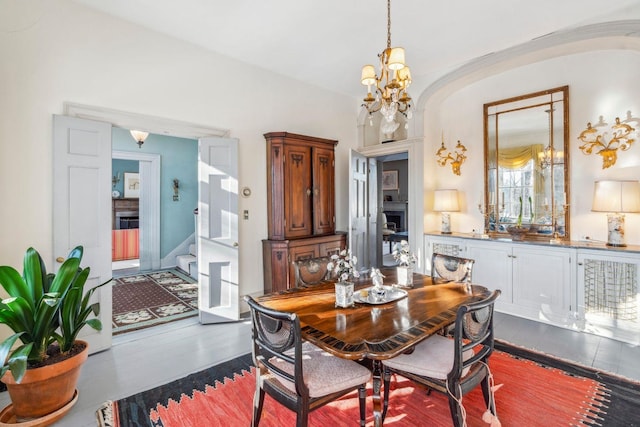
{"points": [[189, 263]]}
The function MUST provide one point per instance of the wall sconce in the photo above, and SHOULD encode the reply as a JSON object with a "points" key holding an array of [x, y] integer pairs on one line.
{"points": [[456, 161], [176, 188], [606, 146], [445, 201], [139, 136], [115, 180], [616, 198]]}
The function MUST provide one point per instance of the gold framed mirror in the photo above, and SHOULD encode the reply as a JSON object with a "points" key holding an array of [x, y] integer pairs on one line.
{"points": [[526, 147]]}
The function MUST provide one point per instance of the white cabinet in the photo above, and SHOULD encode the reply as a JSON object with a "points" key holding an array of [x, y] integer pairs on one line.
{"points": [[493, 268], [442, 245], [536, 282], [608, 293]]}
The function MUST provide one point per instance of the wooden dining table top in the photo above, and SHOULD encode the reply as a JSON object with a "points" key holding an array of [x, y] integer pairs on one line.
{"points": [[374, 331]]}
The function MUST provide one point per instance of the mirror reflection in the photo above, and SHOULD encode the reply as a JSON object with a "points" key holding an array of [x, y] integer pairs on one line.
{"points": [[526, 173]]}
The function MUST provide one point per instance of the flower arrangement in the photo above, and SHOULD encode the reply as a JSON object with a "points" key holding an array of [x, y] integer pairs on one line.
{"points": [[343, 265], [403, 255]]}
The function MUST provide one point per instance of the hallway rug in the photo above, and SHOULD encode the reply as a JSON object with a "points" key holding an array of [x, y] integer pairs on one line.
{"points": [[145, 300], [536, 390]]}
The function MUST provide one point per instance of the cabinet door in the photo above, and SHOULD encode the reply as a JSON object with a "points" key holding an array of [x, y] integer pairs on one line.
{"points": [[492, 268], [609, 293], [297, 191], [542, 281], [323, 191]]}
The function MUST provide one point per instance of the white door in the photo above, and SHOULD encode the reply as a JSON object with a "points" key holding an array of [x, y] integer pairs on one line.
{"points": [[374, 237], [217, 234], [82, 208], [358, 210]]}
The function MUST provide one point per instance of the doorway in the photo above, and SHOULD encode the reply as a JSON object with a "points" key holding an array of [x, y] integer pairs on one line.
{"points": [[367, 240], [150, 167]]}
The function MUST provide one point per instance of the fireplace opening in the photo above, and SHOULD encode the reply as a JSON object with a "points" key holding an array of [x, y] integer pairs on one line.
{"points": [[126, 220]]}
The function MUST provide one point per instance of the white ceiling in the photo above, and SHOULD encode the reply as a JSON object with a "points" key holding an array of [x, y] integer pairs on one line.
{"points": [[326, 42]]}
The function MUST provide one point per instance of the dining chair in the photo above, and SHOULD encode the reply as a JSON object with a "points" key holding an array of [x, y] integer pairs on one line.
{"points": [[448, 268], [388, 228], [453, 366], [311, 271], [296, 373]]}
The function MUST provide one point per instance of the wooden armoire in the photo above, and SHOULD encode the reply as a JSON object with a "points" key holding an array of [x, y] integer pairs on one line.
{"points": [[300, 205]]}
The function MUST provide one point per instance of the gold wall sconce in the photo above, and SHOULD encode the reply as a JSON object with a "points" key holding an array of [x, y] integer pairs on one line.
{"points": [[176, 189], [456, 158], [607, 141]]}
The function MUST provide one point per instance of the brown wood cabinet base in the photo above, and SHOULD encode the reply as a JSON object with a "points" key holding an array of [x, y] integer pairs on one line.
{"points": [[278, 256]]}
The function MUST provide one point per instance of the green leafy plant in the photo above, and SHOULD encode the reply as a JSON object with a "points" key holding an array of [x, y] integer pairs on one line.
{"points": [[519, 223], [44, 308]]}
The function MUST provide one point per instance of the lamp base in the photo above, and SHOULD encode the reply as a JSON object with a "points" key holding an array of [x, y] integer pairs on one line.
{"points": [[445, 225], [615, 232]]}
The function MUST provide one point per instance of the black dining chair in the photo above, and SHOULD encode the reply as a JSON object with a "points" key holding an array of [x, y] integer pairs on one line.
{"points": [[311, 271], [448, 268], [296, 373], [453, 366]]}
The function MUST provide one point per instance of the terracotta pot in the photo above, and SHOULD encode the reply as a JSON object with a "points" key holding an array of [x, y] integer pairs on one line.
{"points": [[46, 389]]}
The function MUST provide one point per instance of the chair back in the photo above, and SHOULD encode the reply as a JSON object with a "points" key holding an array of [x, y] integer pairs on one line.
{"points": [[276, 335], [473, 331], [448, 268], [311, 271]]}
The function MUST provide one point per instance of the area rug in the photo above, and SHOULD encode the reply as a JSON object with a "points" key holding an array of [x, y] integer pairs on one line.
{"points": [[536, 390], [144, 300]]}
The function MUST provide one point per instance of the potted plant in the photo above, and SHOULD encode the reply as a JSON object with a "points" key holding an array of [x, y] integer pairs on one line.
{"points": [[45, 311], [518, 231], [343, 267], [406, 261]]}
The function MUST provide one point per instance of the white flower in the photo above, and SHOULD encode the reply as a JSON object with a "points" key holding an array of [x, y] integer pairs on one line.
{"points": [[403, 255], [343, 266]]}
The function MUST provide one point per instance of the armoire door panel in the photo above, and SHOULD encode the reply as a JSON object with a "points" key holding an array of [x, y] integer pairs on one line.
{"points": [[298, 191]]}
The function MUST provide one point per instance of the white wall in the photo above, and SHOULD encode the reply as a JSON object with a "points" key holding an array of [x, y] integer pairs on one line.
{"points": [[58, 51], [602, 82]]}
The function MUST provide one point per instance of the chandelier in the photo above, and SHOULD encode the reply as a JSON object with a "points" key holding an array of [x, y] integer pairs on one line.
{"points": [[390, 86]]}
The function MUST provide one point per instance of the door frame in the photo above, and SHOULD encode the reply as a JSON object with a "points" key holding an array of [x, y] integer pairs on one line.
{"points": [[149, 202], [414, 147]]}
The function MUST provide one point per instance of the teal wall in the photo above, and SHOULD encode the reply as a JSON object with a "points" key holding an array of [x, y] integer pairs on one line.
{"points": [[119, 167], [179, 159]]}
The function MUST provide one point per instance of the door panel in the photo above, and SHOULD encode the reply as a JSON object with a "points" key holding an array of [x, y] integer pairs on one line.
{"points": [[297, 184], [358, 210], [82, 208], [217, 234], [323, 191]]}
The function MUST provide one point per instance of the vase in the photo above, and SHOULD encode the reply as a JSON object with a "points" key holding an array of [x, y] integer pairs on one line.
{"points": [[404, 275], [344, 294], [517, 232]]}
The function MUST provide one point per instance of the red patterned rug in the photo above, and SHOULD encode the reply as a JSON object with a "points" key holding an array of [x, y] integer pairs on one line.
{"points": [[144, 300], [537, 390]]}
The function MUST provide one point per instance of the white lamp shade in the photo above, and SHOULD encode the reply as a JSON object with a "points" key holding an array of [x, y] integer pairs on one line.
{"points": [[368, 75], [139, 135], [616, 196], [396, 58], [446, 201]]}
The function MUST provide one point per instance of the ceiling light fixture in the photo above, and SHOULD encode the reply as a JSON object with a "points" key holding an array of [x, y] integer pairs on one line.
{"points": [[391, 85], [139, 136]]}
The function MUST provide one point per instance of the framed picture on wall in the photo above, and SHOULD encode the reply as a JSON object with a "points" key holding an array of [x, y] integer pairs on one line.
{"points": [[389, 180], [131, 185]]}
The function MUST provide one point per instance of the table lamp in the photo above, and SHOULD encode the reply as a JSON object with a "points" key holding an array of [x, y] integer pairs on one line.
{"points": [[446, 201], [616, 198]]}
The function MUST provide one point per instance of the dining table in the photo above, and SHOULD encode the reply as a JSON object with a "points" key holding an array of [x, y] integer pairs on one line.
{"points": [[375, 329]]}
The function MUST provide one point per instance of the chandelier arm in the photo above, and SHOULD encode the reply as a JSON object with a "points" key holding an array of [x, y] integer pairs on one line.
{"points": [[388, 24]]}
